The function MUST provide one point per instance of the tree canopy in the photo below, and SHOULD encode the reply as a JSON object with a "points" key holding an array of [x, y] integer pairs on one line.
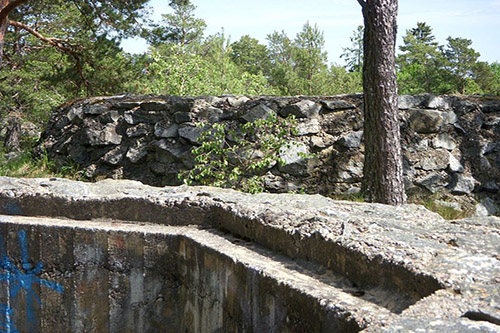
{"points": [[57, 50], [54, 51], [427, 67]]}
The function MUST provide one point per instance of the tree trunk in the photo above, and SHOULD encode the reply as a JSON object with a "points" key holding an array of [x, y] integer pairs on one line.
{"points": [[4, 22], [11, 143], [6, 7], [383, 167]]}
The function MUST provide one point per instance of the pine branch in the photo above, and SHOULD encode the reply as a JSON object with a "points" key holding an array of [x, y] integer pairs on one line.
{"points": [[5, 11], [60, 44]]}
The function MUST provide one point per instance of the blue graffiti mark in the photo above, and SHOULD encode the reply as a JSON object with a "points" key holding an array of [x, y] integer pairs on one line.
{"points": [[11, 208], [22, 279], [6, 324]]}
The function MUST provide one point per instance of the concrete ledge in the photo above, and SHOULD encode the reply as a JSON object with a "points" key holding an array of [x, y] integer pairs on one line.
{"points": [[377, 264], [150, 278]]}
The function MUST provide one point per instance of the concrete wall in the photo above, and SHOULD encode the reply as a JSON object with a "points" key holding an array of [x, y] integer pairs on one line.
{"points": [[103, 277], [118, 256]]}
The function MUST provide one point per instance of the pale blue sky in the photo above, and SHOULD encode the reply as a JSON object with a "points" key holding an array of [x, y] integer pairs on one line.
{"points": [[478, 20]]}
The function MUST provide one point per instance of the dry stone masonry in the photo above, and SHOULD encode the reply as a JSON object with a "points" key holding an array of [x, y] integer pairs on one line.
{"points": [[451, 144]]}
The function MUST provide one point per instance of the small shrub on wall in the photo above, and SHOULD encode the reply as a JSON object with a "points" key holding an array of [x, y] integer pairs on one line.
{"points": [[238, 157]]}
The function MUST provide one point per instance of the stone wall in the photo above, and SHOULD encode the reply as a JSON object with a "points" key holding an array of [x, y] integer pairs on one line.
{"points": [[451, 144]]}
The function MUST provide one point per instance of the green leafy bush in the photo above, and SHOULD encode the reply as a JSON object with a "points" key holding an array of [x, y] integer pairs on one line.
{"points": [[236, 157]]}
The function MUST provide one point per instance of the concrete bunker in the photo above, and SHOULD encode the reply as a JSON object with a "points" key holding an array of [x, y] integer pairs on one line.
{"points": [[119, 256]]}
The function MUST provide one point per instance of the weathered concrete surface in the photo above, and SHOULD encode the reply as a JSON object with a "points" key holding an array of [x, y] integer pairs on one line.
{"points": [[206, 259]]}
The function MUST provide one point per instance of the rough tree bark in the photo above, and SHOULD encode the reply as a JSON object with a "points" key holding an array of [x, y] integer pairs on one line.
{"points": [[11, 142], [6, 7], [3, 28], [383, 167]]}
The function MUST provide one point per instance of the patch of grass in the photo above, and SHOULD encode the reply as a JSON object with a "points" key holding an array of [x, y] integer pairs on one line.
{"points": [[355, 197], [25, 165], [431, 202], [447, 212]]}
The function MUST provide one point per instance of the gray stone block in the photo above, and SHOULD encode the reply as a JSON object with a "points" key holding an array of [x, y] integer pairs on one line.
{"points": [[462, 184], [302, 109], [258, 112]]}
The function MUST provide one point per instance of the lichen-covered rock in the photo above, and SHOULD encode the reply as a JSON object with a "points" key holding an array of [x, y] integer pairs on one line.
{"points": [[98, 135], [442, 136], [237, 100], [352, 140], [260, 111], [438, 102], [166, 130], [350, 168], [138, 130], [455, 165], [433, 182], [411, 101], [462, 107], [114, 156], [191, 133], [462, 184], [295, 159], [310, 126], [430, 160], [95, 109], [137, 152], [337, 105], [486, 207], [426, 121], [444, 140], [213, 115], [302, 109]]}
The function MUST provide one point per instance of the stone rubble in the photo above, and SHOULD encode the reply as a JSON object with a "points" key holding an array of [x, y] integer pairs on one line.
{"points": [[451, 144]]}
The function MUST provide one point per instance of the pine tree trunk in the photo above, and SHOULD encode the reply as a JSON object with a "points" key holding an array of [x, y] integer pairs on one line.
{"points": [[3, 29], [383, 167], [11, 142]]}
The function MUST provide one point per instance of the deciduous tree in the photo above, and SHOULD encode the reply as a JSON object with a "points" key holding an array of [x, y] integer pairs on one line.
{"points": [[252, 56]]}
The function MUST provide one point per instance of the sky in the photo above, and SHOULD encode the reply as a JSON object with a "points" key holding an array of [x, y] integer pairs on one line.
{"points": [[478, 20]]}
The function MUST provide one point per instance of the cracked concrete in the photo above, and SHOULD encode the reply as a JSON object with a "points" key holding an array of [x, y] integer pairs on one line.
{"points": [[138, 258]]}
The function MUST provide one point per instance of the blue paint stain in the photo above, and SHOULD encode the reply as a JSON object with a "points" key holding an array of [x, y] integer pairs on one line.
{"points": [[11, 208], [6, 324], [23, 280]]}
